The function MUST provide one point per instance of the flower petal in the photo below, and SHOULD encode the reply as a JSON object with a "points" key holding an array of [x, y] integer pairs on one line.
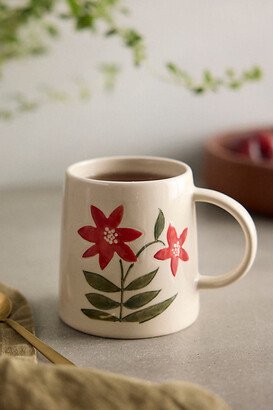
{"points": [[183, 255], [171, 235], [91, 251], [163, 254], [99, 217], [183, 236], [174, 265], [115, 217], [125, 252], [127, 234], [89, 233], [106, 254]]}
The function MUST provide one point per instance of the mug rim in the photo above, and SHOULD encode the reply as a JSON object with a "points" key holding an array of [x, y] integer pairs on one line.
{"points": [[72, 169]]}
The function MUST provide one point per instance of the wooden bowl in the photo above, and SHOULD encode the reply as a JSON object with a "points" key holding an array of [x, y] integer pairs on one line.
{"points": [[249, 182]]}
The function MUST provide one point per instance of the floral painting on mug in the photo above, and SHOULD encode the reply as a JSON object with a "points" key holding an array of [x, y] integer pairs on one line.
{"points": [[108, 239]]}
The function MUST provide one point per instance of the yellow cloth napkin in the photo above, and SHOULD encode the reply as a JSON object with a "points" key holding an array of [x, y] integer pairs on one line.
{"points": [[25, 385], [11, 343]]}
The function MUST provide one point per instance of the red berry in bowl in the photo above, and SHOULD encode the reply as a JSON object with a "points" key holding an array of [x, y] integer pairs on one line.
{"points": [[257, 147], [265, 139], [250, 147]]}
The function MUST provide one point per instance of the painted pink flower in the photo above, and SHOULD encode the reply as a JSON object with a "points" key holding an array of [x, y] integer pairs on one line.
{"points": [[174, 250], [108, 238]]}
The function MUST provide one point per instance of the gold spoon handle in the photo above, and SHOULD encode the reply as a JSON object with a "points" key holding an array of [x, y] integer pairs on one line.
{"points": [[46, 350]]}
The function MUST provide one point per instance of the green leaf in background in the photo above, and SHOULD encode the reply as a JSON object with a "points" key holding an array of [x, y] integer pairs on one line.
{"points": [[111, 32], [101, 301], [142, 281], [109, 72], [99, 315], [74, 7], [52, 30], [27, 28], [100, 283], [159, 225], [141, 299], [210, 82], [149, 313]]}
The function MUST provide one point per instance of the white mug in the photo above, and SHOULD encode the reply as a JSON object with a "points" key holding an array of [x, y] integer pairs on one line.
{"points": [[129, 260]]}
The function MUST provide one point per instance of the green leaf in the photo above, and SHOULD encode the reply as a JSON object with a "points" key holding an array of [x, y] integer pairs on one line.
{"points": [[149, 313], [159, 225], [99, 315], [100, 283], [101, 301], [235, 85], [172, 68], [207, 76], [142, 281], [131, 37], [52, 30], [84, 21], [141, 299], [253, 74], [198, 90], [74, 7], [111, 32]]}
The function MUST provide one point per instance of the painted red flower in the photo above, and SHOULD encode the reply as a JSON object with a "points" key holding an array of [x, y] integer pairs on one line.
{"points": [[175, 250], [108, 238]]}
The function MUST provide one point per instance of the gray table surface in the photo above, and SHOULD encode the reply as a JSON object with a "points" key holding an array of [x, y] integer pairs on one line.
{"points": [[228, 349]]}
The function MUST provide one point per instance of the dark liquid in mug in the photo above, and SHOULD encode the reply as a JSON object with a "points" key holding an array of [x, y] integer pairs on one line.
{"points": [[128, 176]]}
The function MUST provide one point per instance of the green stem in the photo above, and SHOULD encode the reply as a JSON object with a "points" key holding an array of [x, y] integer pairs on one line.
{"points": [[138, 253], [148, 244], [121, 289]]}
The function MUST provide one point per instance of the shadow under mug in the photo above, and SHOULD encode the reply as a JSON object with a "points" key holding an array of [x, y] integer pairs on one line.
{"points": [[129, 260]]}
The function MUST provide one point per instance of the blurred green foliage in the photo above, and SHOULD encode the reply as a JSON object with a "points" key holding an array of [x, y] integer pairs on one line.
{"points": [[209, 82], [19, 25], [28, 26]]}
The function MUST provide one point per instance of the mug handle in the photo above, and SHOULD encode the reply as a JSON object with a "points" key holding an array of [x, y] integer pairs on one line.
{"points": [[248, 227]]}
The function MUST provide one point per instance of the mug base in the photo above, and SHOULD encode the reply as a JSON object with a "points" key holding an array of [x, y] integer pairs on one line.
{"points": [[115, 334]]}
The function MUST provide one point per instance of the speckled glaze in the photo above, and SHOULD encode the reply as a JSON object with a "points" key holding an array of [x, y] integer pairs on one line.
{"points": [[163, 214]]}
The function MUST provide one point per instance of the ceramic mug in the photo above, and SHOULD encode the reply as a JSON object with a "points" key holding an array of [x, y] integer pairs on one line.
{"points": [[129, 259]]}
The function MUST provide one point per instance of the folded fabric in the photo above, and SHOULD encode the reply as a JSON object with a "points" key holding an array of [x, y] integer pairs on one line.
{"points": [[11, 343], [25, 385]]}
